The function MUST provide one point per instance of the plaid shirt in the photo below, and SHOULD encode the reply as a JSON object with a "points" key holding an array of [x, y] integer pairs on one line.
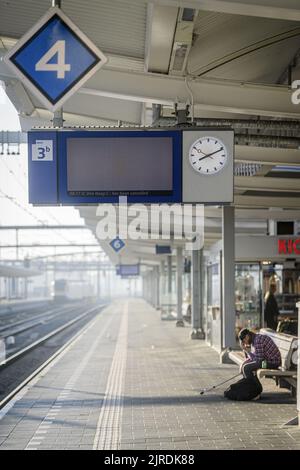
{"points": [[264, 349]]}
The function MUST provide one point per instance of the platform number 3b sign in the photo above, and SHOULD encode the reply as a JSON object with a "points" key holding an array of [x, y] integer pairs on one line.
{"points": [[54, 58], [42, 151]]}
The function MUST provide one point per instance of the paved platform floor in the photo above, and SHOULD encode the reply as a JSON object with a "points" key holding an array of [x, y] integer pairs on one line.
{"points": [[132, 381]]}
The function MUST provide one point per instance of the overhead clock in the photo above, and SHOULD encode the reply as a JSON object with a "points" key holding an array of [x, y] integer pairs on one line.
{"points": [[208, 155]]}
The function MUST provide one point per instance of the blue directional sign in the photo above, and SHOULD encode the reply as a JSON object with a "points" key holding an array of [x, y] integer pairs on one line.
{"points": [[163, 249], [55, 58], [117, 244], [128, 270]]}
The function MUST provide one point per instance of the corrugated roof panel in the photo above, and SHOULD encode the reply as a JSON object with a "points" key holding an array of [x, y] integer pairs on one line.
{"points": [[207, 21], [247, 49], [116, 26]]}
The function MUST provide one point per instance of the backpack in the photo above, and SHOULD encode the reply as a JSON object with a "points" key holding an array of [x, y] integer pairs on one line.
{"points": [[243, 390]]}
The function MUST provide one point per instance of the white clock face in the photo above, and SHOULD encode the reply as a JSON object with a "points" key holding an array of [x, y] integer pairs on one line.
{"points": [[208, 155]]}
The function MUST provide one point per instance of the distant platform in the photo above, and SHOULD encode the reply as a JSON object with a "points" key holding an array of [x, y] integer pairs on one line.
{"points": [[17, 301], [132, 381]]}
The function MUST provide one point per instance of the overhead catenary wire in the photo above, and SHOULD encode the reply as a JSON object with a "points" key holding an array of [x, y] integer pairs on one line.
{"points": [[11, 198], [28, 212]]}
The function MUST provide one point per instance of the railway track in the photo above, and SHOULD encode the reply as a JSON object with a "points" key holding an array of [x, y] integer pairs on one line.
{"points": [[53, 333]]}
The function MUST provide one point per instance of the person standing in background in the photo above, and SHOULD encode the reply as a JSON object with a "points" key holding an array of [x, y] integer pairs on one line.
{"points": [[271, 308]]}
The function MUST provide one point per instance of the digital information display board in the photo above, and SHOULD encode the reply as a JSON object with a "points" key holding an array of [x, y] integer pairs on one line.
{"points": [[128, 270], [123, 166], [73, 167]]}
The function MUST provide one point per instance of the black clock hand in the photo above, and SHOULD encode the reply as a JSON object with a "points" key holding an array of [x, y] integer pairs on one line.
{"points": [[210, 154], [202, 158]]}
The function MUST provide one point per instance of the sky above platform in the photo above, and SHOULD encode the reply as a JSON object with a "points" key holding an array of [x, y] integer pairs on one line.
{"points": [[14, 206]]}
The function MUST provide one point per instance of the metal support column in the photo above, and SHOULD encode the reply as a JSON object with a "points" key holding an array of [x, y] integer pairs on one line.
{"points": [[296, 421], [25, 287], [151, 289], [145, 278], [56, 3], [98, 282], [197, 289], [170, 277], [228, 280], [143, 287], [169, 297], [157, 282], [150, 294], [17, 244], [179, 270], [298, 366], [162, 282], [58, 120]]}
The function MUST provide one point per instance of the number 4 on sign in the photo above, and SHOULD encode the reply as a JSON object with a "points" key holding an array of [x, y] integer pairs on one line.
{"points": [[60, 67]]}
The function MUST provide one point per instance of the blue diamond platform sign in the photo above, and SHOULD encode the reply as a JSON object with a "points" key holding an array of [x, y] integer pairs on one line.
{"points": [[54, 58], [117, 244]]}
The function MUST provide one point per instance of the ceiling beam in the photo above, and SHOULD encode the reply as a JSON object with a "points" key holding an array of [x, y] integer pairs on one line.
{"points": [[284, 10], [42, 117], [49, 245], [256, 214], [213, 95], [160, 30], [14, 271], [267, 156], [261, 183], [19, 96], [266, 202]]}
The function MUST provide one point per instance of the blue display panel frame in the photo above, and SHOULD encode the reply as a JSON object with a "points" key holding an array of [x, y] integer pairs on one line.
{"points": [[48, 179], [49, 154]]}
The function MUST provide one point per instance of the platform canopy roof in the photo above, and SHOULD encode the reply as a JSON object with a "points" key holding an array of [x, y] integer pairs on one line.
{"points": [[233, 60], [17, 271]]}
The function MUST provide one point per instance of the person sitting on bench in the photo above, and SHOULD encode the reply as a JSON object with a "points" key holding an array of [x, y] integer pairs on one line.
{"points": [[260, 351]]}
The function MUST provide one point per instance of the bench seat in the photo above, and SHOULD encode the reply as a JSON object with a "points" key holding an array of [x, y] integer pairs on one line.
{"points": [[276, 373]]}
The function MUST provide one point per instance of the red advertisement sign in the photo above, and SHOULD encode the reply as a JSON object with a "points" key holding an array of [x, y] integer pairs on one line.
{"points": [[288, 246]]}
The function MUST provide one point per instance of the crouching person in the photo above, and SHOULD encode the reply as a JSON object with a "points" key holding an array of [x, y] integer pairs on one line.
{"points": [[260, 352]]}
